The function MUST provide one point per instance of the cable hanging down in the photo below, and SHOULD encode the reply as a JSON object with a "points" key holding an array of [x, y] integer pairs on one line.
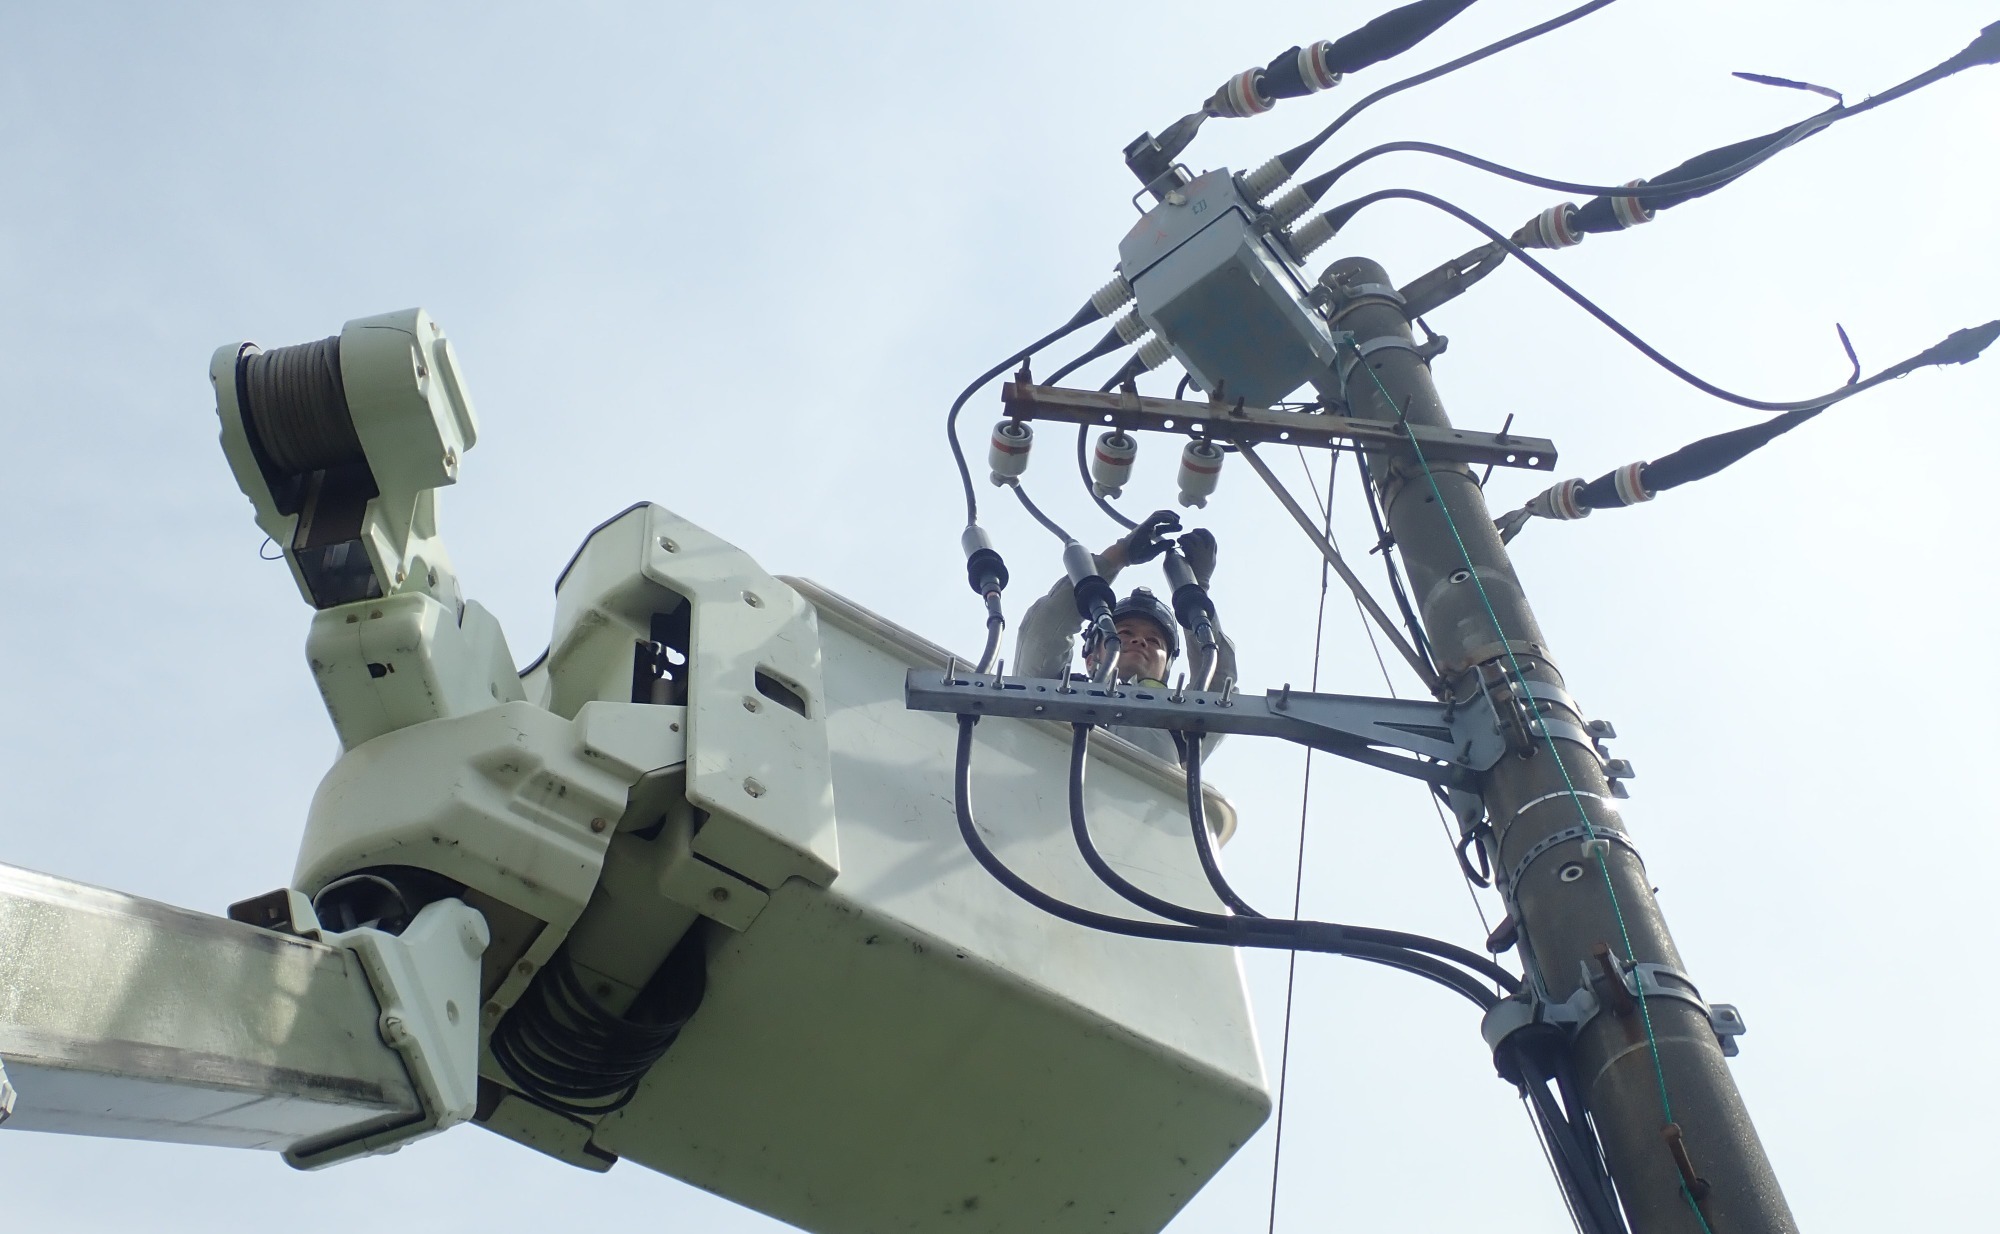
{"points": [[1389, 947]]}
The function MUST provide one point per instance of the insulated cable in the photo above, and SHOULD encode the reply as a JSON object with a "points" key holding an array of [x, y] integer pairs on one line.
{"points": [[1237, 932], [1261, 182], [1101, 304], [1958, 348], [1637, 200]]}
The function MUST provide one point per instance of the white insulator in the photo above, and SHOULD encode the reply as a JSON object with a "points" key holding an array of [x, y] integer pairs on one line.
{"points": [[1007, 455], [1291, 206], [1111, 297], [1239, 97], [1630, 482], [1259, 184], [1111, 463], [1551, 228], [1313, 68], [1153, 353], [1311, 234], [1130, 328], [1559, 501], [1201, 467], [1628, 211]]}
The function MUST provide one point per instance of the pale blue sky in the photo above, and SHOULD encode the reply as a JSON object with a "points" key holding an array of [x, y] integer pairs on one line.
{"points": [[739, 260]]}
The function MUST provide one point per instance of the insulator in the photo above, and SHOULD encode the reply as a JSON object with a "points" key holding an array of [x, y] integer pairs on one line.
{"points": [[1111, 464], [1259, 184], [1291, 206], [1201, 467], [1628, 211], [1129, 327], [1630, 483], [1311, 234], [1008, 453], [1114, 295], [1153, 353], [1559, 501], [1313, 67], [1239, 96], [1553, 228]]}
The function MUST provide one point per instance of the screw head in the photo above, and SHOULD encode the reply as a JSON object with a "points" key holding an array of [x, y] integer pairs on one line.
{"points": [[668, 544], [719, 894], [753, 787], [753, 599], [597, 824]]}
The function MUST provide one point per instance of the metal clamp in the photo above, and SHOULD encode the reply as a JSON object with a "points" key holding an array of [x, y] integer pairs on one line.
{"points": [[1642, 981]]}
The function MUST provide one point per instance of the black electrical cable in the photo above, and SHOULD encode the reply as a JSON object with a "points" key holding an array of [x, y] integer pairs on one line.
{"points": [[1664, 192], [1387, 545], [1950, 351], [1295, 158], [1084, 316], [1248, 917], [1027, 503], [995, 627], [1204, 845], [1239, 932]]}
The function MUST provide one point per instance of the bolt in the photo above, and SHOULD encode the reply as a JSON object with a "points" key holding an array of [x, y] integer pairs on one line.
{"points": [[669, 545], [525, 967], [674, 728], [400, 576], [752, 787], [719, 894], [753, 599], [597, 824], [749, 704], [450, 457], [490, 1010]]}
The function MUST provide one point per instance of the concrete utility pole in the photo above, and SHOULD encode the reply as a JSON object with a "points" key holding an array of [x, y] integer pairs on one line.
{"points": [[1570, 935]]}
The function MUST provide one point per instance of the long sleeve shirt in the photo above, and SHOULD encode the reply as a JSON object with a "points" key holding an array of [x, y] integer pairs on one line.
{"points": [[1045, 646]]}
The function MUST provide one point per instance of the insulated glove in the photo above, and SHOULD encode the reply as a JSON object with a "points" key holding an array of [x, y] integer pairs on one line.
{"points": [[1148, 539]]}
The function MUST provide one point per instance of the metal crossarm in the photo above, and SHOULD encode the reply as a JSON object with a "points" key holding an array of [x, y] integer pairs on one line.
{"points": [[1382, 732]]}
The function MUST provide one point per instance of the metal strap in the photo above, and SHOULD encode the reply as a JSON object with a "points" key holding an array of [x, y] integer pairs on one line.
{"points": [[1386, 342], [1578, 832]]}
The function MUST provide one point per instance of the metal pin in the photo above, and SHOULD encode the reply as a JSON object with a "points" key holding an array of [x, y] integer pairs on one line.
{"points": [[1285, 697], [1180, 690], [951, 671], [1228, 691]]}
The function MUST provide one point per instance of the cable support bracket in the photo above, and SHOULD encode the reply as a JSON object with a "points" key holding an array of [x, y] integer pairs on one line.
{"points": [[1435, 742], [1530, 1010]]}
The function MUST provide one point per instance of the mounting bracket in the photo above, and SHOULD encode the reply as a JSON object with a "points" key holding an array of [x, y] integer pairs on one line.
{"points": [[1445, 738]]}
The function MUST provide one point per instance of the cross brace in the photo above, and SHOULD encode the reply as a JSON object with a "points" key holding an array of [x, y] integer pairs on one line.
{"points": [[1229, 422]]}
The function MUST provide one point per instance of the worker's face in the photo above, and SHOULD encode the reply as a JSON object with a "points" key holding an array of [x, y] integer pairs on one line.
{"points": [[1142, 650]]}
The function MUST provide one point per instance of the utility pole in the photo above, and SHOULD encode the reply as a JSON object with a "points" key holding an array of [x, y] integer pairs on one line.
{"points": [[1704, 1167]]}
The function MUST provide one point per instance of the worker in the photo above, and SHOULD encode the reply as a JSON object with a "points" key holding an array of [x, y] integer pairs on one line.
{"points": [[1149, 638]]}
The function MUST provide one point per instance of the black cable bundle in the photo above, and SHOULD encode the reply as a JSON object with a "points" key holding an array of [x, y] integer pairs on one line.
{"points": [[567, 1052]]}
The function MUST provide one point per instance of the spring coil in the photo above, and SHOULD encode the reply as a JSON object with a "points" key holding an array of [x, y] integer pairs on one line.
{"points": [[297, 407]]}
